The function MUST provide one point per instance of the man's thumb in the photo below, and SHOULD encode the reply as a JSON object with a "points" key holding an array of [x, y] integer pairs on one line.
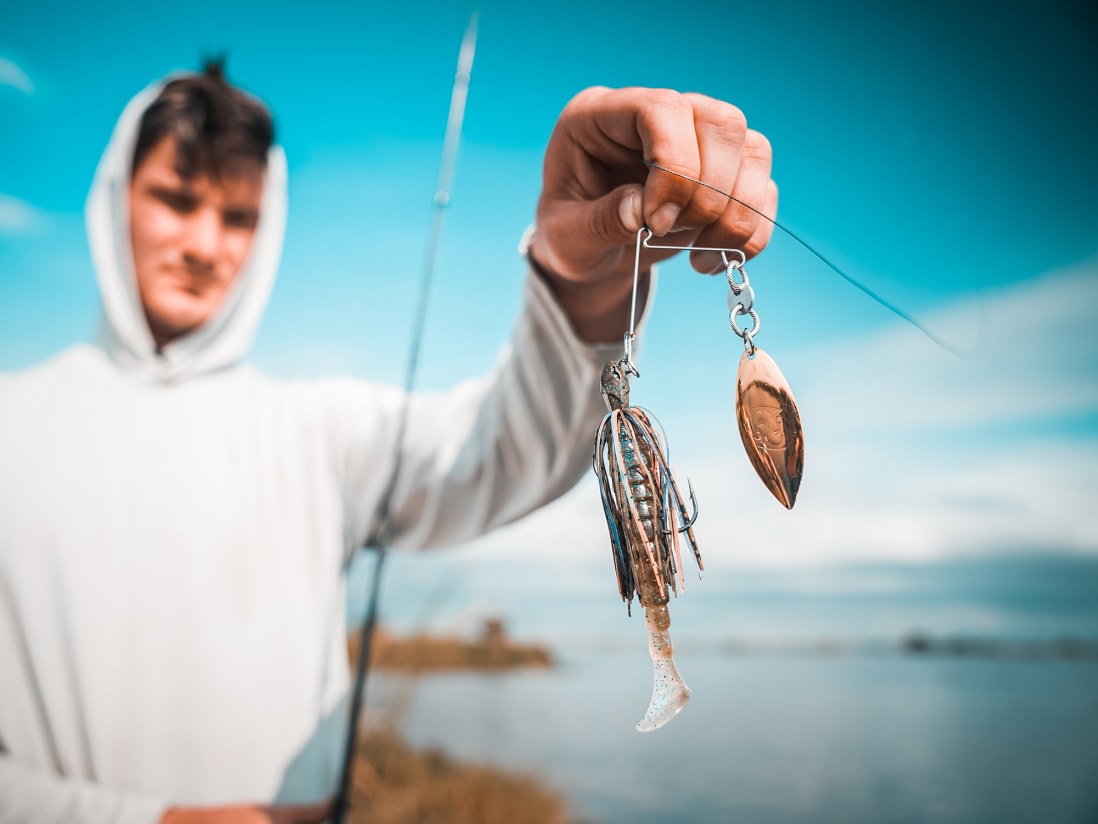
{"points": [[616, 217], [582, 236]]}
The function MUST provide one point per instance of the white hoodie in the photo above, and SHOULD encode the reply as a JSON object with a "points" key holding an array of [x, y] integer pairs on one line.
{"points": [[174, 528]]}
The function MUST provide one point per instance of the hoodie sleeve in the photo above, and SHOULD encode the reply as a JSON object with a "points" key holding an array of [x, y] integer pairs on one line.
{"points": [[31, 796], [490, 450]]}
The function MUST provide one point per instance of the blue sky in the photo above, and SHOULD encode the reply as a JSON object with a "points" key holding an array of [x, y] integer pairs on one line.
{"points": [[941, 153]]}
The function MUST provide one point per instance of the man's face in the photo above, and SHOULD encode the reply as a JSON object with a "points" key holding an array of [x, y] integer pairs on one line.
{"points": [[190, 238]]}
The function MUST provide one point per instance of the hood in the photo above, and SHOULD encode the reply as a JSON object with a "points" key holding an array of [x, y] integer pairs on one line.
{"points": [[226, 337]]}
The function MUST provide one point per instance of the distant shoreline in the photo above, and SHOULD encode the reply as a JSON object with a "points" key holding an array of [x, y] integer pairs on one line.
{"points": [[494, 651], [491, 651]]}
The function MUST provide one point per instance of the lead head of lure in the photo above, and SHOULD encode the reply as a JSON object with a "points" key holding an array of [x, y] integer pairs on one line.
{"points": [[615, 385]]}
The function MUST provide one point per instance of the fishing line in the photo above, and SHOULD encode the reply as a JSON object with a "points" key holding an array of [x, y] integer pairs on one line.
{"points": [[896, 310], [383, 538]]}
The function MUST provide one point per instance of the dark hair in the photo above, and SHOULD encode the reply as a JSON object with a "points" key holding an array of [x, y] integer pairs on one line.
{"points": [[217, 127]]}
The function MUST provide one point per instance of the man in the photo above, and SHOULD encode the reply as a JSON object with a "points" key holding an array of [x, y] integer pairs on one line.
{"points": [[173, 526]]}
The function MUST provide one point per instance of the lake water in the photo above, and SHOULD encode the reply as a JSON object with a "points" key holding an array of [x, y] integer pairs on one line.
{"points": [[783, 738], [805, 707]]}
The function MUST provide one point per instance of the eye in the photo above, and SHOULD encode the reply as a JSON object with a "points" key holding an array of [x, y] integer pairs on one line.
{"points": [[240, 218], [178, 200]]}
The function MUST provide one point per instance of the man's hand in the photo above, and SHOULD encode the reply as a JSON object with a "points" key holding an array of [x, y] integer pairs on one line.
{"points": [[597, 193], [250, 814]]}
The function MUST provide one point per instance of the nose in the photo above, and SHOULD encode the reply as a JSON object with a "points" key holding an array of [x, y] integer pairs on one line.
{"points": [[203, 239]]}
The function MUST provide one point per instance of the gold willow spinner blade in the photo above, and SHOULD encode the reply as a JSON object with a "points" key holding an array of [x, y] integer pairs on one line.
{"points": [[766, 413]]}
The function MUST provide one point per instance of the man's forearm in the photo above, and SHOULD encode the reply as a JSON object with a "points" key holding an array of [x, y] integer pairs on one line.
{"points": [[34, 796]]}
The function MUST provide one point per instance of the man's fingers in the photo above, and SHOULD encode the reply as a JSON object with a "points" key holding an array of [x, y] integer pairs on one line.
{"points": [[707, 147], [316, 813], [664, 120], [720, 130], [740, 220]]}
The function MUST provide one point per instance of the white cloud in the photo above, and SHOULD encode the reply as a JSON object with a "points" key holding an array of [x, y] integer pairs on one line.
{"points": [[1036, 355], [12, 75], [18, 217]]}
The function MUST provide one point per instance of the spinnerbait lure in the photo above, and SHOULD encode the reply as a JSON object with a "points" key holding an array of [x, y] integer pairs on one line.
{"points": [[644, 509]]}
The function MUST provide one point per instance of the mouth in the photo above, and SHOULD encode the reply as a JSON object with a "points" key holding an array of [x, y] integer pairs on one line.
{"points": [[190, 280]]}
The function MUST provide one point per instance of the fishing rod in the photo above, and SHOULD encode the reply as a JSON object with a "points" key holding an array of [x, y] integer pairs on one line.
{"points": [[441, 200]]}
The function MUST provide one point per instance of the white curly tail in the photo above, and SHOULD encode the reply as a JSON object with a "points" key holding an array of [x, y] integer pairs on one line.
{"points": [[669, 691]]}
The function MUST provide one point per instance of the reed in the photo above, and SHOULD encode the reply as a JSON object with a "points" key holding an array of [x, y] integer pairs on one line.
{"points": [[396, 784]]}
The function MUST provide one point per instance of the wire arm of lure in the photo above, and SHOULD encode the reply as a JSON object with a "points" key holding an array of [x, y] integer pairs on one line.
{"points": [[627, 363], [725, 251], [644, 238]]}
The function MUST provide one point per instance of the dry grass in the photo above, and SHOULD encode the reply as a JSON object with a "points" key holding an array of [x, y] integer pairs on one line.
{"points": [[394, 784], [422, 653]]}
